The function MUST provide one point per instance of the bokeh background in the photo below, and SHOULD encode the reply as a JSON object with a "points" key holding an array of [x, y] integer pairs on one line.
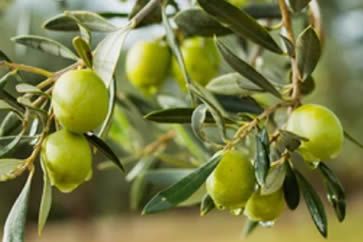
{"points": [[100, 210]]}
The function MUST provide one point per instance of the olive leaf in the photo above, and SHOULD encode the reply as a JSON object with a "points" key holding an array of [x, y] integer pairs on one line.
{"points": [[70, 20], [336, 195], [262, 161], [15, 222], [298, 5], [240, 23], [46, 200], [107, 54], [183, 189], [166, 176], [175, 115], [105, 149], [11, 145], [249, 227], [8, 167], [46, 45], [12, 101], [314, 204], [308, 52], [246, 70], [198, 118], [206, 205], [27, 88], [291, 188], [84, 50], [274, 179], [235, 104]]}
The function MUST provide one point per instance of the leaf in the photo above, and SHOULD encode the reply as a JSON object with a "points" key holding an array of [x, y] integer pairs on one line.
{"points": [[7, 97], [249, 227], [7, 77], [166, 176], [298, 5], [3, 56], [69, 21], [198, 117], [15, 222], [8, 167], [289, 46], [232, 84], [336, 194], [314, 205], [174, 115], [353, 140], [153, 17], [84, 50], [274, 179], [5, 106], [27, 88], [46, 200], [5, 149], [105, 149], [307, 86], [183, 189], [246, 70], [107, 54], [197, 22], [308, 52], [291, 188], [239, 104], [288, 140], [207, 205], [240, 23], [46, 45], [262, 161]]}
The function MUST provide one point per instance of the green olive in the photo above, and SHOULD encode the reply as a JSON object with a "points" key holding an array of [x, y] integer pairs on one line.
{"points": [[321, 127], [80, 100], [201, 59], [68, 160], [265, 207], [147, 64], [232, 182]]}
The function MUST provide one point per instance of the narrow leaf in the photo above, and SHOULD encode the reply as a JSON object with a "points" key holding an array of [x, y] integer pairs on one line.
{"points": [[314, 204], [207, 205], [183, 189], [336, 194], [353, 140], [84, 50], [198, 117], [249, 227], [15, 222], [174, 115], [27, 88], [291, 188], [274, 179], [246, 70], [46, 45], [46, 200], [7, 148], [240, 22], [107, 54], [308, 52], [69, 21], [8, 167], [262, 161], [235, 104], [105, 149]]}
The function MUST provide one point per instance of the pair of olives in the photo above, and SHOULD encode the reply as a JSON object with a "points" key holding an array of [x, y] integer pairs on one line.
{"points": [[148, 63], [232, 183], [80, 104]]}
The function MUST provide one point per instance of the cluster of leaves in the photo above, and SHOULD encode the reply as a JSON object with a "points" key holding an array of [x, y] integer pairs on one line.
{"points": [[222, 115]]}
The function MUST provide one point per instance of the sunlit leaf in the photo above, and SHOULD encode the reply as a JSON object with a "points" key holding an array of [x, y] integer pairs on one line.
{"points": [[8, 167], [107, 54], [46, 45], [69, 21], [84, 50], [15, 222]]}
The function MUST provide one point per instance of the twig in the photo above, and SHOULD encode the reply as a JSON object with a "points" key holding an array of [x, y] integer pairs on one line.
{"points": [[22, 67]]}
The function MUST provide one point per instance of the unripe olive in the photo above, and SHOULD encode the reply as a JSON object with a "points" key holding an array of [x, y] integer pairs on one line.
{"points": [[201, 59], [68, 160], [147, 64], [321, 127], [232, 182], [265, 207], [80, 100]]}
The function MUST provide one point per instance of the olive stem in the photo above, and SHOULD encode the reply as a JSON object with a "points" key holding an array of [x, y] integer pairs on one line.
{"points": [[287, 24], [31, 69]]}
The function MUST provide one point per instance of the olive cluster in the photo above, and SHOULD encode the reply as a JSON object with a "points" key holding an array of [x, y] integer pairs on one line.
{"points": [[232, 184], [80, 104]]}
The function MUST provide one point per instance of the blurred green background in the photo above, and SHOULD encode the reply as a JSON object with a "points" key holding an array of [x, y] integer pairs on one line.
{"points": [[99, 210]]}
